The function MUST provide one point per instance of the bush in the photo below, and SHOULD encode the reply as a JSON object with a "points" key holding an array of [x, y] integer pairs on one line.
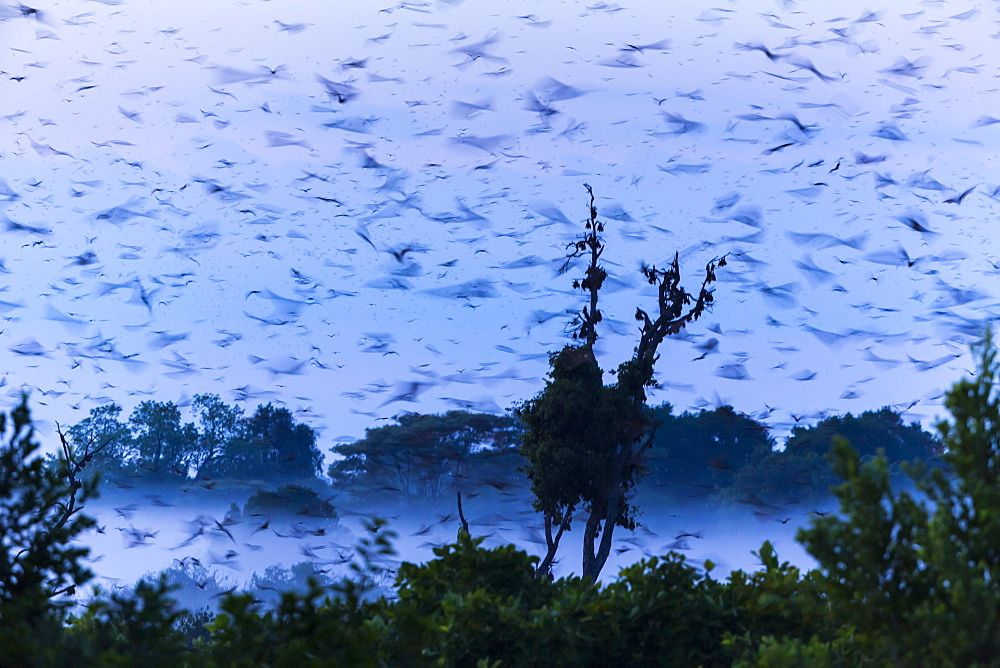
{"points": [[289, 500]]}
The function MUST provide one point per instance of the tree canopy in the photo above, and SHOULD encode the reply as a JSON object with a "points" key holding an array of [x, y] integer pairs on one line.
{"points": [[425, 456], [868, 433], [694, 454], [155, 441], [800, 471]]}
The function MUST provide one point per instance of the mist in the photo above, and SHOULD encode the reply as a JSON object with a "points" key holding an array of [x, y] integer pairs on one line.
{"points": [[202, 535]]}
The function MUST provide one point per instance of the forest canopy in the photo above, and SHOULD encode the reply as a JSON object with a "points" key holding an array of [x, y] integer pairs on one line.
{"points": [[221, 442]]}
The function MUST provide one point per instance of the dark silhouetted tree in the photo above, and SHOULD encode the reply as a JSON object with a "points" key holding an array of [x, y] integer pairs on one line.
{"points": [[696, 454], [800, 472], [868, 433], [108, 437], [920, 580], [218, 424], [40, 565], [161, 439], [585, 441], [423, 456]]}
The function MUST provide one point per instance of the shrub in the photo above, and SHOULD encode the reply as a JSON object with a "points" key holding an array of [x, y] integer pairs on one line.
{"points": [[289, 500]]}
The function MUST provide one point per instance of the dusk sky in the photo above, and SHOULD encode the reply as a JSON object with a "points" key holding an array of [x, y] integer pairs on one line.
{"points": [[357, 209]]}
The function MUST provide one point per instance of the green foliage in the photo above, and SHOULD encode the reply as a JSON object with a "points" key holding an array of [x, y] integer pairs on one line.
{"points": [[800, 472], [696, 453], [467, 604], [304, 630], [269, 445], [919, 584], [423, 456], [39, 565], [104, 432], [778, 606], [464, 567], [289, 500], [460, 609], [574, 428], [663, 611], [137, 629]]}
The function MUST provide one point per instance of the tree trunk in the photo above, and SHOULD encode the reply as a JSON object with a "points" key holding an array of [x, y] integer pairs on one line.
{"points": [[604, 548], [552, 542], [613, 504], [597, 515]]}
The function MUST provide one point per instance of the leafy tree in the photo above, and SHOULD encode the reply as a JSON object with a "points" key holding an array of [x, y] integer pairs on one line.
{"points": [[39, 517], [783, 478], [137, 628], [586, 441], [868, 433], [218, 425], [696, 453], [270, 444], [801, 473], [108, 437], [162, 441], [470, 604], [920, 582], [423, 456]]}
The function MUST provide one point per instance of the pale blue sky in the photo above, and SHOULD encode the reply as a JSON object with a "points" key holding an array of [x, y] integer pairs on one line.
{"points": [[229, 162]]}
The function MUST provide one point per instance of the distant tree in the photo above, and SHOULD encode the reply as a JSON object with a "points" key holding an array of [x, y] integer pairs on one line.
{"points": [[270, 444], [289, 500], [586, 441], [868, 433], [109, 437], [696, 453], [422, 456], [781, 479], [162, 441], [800, 472], [500, 467], [218, 425]]}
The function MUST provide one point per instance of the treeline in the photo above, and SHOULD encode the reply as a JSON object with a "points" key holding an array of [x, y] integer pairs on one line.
{"points": [[719, 454], [733, 457], [425, 457], [221, 442]]}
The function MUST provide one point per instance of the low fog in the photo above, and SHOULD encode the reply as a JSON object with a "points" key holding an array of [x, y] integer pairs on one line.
{"points": [[201, 533]]}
